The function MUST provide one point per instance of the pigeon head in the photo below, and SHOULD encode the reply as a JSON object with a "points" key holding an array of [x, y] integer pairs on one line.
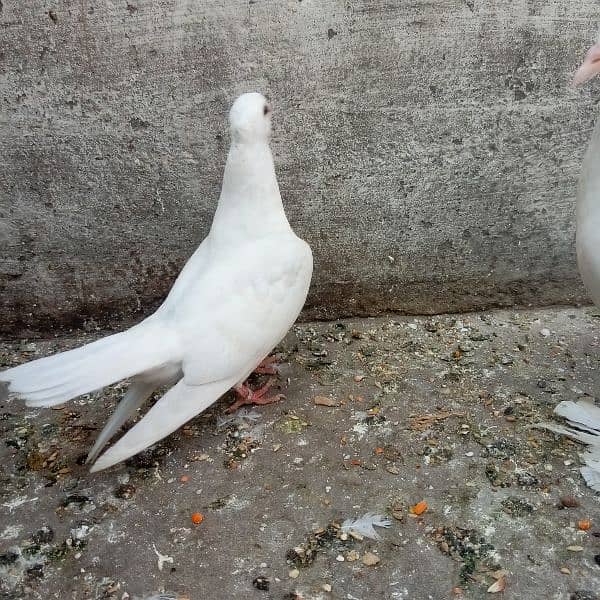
{"points": [[590, 65], [250, 118]]}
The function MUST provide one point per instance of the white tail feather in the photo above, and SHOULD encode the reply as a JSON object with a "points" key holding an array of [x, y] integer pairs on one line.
{"points": [[137, 394], [181, 403], [55, 379]]}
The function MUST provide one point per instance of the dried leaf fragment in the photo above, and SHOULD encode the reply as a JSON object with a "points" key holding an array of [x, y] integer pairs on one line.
{"points": [[497, 586], [325, 401], [423, 422]]}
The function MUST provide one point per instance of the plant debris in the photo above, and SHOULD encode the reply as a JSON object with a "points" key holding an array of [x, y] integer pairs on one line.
{"points": [[423, 422], [292, 424], [498, 586], [517, 507], [261, 583], [325, 401], [469, 547]]}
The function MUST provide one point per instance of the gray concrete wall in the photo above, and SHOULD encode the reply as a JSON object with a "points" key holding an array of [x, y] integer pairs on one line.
{"points": [[428, 150]]}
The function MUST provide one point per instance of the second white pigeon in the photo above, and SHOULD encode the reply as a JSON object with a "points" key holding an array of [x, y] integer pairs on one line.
{"points": [[588, 196], [233, 302], [583, 417]]}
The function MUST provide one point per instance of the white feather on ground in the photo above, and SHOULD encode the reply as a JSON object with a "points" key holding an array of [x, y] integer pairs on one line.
{"points": [[366, 524], [583, 425]]}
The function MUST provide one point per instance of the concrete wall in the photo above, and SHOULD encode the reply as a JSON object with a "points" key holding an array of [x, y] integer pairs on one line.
{"points": [[427, 149]]}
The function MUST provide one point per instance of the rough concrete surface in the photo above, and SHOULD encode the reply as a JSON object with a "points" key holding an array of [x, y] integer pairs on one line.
{"points": [[428, 151], [381, 414]]}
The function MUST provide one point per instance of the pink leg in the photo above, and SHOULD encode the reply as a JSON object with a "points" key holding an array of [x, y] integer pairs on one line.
{"points": [[248, 396], [268, 366]]}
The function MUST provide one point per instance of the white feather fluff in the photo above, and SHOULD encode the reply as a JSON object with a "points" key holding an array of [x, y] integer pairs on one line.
{"points": [[366, 524]]}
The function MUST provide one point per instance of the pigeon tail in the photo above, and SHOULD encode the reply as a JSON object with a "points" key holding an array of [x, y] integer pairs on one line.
{"points": [[181, 403], [55, 379]]}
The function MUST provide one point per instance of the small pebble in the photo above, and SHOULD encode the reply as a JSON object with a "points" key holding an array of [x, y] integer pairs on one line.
{"points": [[370, 559], [261, 583], [294, 573], [43, 536], [125, 491], [569, 502], [583, 595]]}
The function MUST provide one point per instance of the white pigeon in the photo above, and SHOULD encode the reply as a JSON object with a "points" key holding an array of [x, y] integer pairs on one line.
{"points": [[588, 197], [583, 417], [232, 303]]}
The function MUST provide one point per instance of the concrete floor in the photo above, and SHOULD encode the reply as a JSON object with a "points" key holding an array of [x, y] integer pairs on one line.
{"points": [[422, 409]]}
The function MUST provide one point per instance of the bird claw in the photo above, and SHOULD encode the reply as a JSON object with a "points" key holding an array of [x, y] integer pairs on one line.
{"points": [[266, 370], [249, 396], [269, 366]]}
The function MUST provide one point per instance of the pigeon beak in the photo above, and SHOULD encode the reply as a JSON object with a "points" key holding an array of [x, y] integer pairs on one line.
{"points": [[589, 67]]}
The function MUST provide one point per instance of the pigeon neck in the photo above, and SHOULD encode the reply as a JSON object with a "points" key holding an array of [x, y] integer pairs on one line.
{"points": [[250, 203]]}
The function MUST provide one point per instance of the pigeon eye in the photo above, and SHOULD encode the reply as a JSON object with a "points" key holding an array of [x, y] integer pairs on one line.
{"points": [[266, 110]]}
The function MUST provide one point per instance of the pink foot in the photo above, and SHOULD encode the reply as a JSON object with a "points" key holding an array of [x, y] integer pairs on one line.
{"points": [[268, 366], [248, 396]]}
